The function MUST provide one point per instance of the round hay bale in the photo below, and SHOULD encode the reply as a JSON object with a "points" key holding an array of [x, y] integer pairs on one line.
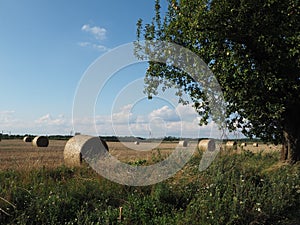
{"points": [[231, 145], [80, 145], [183, 143], [40, 141], [207, 145], [244, 144], [136, 142], [255, 144], [27, 139]]}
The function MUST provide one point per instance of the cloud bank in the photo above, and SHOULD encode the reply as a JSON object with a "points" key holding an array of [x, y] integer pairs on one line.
{"points": [[181, 121], [98, 34]]}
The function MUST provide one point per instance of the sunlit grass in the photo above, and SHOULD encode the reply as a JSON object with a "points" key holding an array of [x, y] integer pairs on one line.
{"points": [[236, 189]]}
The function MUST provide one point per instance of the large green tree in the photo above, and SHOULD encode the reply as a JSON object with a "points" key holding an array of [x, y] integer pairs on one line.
{"points": [[252, 47]]}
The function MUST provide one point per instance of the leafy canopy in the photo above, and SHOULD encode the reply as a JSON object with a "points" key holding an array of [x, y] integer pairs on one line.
{"points": [[252, 47]]}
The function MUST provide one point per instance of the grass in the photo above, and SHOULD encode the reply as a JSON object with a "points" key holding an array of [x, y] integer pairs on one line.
{"points": [[244, 188]]}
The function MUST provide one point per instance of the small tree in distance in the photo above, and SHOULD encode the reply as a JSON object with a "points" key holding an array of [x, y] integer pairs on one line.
{"points": [[252, 47]]}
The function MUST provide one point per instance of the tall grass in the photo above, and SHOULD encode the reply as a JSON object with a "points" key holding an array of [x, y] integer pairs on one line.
{"points": [[236, 189]]}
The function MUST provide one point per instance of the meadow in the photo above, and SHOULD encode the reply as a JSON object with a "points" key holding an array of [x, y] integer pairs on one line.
{"points": [[244, 186]]}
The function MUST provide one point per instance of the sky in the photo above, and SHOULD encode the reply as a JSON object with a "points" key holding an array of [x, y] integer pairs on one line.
{"points": [[46, 47]]}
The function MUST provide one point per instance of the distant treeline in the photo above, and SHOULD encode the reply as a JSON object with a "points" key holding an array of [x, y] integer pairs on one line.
{"points": [[18, 136], [106, 138], [133, 139]]}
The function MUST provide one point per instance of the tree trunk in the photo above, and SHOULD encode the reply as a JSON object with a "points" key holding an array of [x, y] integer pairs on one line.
{"points": [[291, 136]]}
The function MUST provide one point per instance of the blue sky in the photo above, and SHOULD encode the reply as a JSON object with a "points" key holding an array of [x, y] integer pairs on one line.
{"points": [[45, 49]]}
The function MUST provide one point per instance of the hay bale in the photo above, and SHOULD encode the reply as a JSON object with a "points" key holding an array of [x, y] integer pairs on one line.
{"points": [[27, 139], [183, 143], [40, 141], [244, 144], [207, 145], [136, 142], [231, 145], [80, 145], [255, 144]]}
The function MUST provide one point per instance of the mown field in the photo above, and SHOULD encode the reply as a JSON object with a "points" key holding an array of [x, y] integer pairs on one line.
{"points": [[251, 187], [16, 154]]}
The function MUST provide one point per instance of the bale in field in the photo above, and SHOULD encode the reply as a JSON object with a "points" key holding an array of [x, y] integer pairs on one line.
{"points": [[27, 139], [255, 144], [231, 145], [207, 145], [136, 142], [183, 143], [83, 146], [244, 144], [40, 141]]}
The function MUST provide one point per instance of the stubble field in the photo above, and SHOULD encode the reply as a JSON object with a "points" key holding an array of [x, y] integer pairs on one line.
{"points": [[16, 154]]}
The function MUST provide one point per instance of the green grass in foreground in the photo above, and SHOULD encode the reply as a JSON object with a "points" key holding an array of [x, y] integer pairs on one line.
{"points": [[236, 189]]}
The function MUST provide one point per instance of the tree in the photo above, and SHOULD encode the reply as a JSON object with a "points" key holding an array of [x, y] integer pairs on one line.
{"points": [[252, 47]]}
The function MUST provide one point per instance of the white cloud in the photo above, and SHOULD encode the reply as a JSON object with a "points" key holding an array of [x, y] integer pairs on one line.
{"points": [[186, 111], [6, 116], [181, 122], [50, 121], [98, 32], [99, 47], [123, 116], [12, 122], [84, 44], [49, 124], [163, 121], [165, 113]]}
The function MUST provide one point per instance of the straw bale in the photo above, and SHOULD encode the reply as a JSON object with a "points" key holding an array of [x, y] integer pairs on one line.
{"points": [[40, 141], [207, 145], [81, 146], [27, 139], [183, 143], [231, 145]]}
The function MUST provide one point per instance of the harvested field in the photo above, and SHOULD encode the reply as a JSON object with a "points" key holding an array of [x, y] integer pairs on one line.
{"points": [[15, 154]]}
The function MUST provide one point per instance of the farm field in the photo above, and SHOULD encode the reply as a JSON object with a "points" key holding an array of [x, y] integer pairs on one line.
{"points": [[251, 187], [16, 154]]}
